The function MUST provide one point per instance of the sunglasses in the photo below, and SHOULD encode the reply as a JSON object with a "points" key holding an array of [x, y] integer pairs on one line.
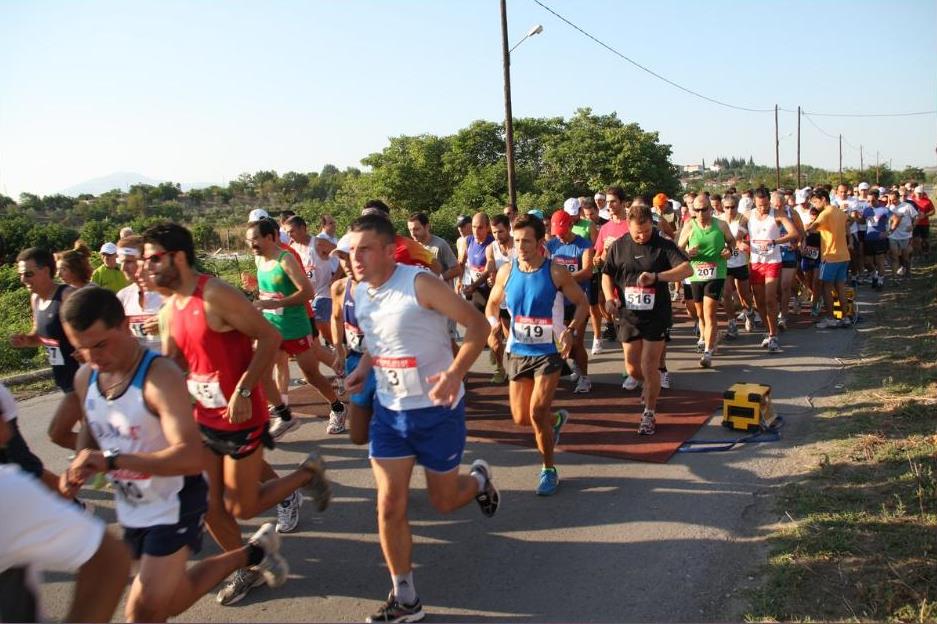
{"points": [[27, 274], [157, 257], [700, 209]]}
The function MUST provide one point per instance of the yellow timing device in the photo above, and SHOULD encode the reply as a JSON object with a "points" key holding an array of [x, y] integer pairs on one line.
{"points": [[747, 407]]}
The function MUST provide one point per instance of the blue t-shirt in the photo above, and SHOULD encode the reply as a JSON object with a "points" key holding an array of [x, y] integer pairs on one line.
{"points": [[569, 256], [876, 220]]}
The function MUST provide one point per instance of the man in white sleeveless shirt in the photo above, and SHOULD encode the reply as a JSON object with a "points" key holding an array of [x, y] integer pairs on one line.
{"points": [[138, 428], [419, 411]]}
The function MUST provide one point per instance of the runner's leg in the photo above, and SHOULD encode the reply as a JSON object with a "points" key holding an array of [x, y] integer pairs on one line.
{"points": [[392, 477]]}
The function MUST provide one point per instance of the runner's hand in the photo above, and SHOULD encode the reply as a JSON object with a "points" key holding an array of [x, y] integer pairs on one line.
{"points": [[726, 252], [151, 326], [445, 390], [239, 409], [692, 251], [612, 306], [646, 279], [354, 382], [67, 487], [85, 464], [566, 343]]}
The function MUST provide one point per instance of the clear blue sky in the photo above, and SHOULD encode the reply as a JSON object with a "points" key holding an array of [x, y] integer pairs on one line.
{"points": [[202, 91]]}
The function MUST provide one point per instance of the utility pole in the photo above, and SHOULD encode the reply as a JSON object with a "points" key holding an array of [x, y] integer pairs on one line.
{"points": [[798, 147], [861, 161], [840, 159], [508, 115], [876, 166], [777, 149]]}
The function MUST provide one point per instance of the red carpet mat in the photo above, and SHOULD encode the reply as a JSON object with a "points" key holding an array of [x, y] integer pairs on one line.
{"points": [[603, 422]]}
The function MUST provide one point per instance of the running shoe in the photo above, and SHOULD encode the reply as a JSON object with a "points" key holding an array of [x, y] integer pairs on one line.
{"points": [[700, 345], [665, 380], [766, 341], [796, 305], [782, 322], [741, 316], [395, 611], [583, 386], [576, 373], [499, 377], [244, 580], [273, 567], [732, 331], [548, 482], [648, 423], [706, 361], [901, 271], [696, 332], [815, 309], [288, 512], [630, 383], [559, 419], [336, 422], [318, 487], [773, 346], [749, 322], [489, 498], [757, 318], [279, 427], [827, 323], [597, 346]]}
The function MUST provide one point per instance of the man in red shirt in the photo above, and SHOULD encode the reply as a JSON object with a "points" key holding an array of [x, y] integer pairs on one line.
{"points": [[921, 232]]}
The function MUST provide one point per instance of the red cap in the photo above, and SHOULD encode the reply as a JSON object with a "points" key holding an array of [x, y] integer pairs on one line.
{"points": [[561, 223]]}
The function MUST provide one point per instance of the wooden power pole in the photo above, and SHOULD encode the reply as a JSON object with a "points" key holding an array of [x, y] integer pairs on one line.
{"points": [[798, 147], [777, 149]]}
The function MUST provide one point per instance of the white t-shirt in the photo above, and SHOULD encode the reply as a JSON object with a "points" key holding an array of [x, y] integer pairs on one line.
{"points": [[907, 214], [129, 297]]}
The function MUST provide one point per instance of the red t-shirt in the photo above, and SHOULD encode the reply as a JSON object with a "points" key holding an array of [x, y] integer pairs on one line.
{"points": [[609, 233], [216, 360], [925, 208]]}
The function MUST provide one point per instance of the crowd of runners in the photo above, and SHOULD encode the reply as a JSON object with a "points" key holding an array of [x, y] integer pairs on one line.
{"points": [[174, 383]]}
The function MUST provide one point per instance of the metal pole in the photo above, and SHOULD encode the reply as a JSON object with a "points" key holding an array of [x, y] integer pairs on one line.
{"points": [[798, 147], [777, 149], [861, 161], [840, 159], [876, 166], [508, 116]]}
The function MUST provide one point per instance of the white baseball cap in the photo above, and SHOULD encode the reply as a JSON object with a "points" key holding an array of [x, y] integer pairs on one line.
{"points": [[919, 189], [257, 214], [109, 249], [571, 206], [800, 196], [745, 204], [863, 186]]}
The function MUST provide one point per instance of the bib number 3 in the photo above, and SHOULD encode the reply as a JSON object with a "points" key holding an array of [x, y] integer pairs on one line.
{"points": [[398, 376]]}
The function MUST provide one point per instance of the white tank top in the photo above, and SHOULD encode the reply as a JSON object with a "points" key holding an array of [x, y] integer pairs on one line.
{"points": [[738, 258], [762, 231], [502, 259], [125, 423], [407, 342]]}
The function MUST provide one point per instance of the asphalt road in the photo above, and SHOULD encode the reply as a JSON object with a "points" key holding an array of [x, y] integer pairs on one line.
{"points": [[620, 541]]}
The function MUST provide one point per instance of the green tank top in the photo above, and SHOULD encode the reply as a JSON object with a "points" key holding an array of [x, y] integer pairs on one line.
{"points": [[582, 228], [709, 242], [292, 322]]}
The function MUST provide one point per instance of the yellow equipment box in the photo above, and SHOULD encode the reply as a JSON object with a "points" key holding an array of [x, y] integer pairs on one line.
{"points": [[850, 305], [747, 407]]}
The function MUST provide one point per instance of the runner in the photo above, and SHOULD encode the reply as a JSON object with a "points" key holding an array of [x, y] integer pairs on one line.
{"points": [[572, 253], [108, 275], [211, 326], [810, 262], [13, 447], [73, 268], [833, 226], [141, 303], [475, 287], [789, 259], [528, 286], [36, 267], [900, 233], [876, 237], [737, 270], [46, 533], [637, 269], [707, 241], [419, 411], [764, 230], [609, 232], [590, 212], [920, 238], [497, 254], [137, 411], [283, 289]]}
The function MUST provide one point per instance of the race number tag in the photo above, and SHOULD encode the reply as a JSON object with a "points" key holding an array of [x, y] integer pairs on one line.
{"points": [[354, 337], [397, 376], [533, 330], [475, 273], [267, 296], [639, 297], [570, 264], [206, 389], [133, 488], [762, 247], [705, 270], [811, 253], [53, 351], [137, 323]]}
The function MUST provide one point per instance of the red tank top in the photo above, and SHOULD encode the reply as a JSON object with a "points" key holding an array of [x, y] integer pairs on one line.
{"points": [[216, 360]]}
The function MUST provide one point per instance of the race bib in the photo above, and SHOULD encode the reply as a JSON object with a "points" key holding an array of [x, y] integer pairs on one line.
{"points": [[640, 297], [206, 389], [762, 247], [137, 323], [533, 330], [705, 270], [570, 264], [267, 296], [354, 337], [475, 273], [53, 351], [133, 488], [397, 376], [811, 253]]}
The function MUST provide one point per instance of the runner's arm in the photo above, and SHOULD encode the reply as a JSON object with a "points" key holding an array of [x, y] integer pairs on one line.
{"points": [[338, 326], [792, 233], [685, 235], [585, 273], [490, 266], [727, 235], [566, 283], [493, 307]]}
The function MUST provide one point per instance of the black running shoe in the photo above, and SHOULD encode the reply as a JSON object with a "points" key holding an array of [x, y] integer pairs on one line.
{"points": [[394, 611], [489, 498]]}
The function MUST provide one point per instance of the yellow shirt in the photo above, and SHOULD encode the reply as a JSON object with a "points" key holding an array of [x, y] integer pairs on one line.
{"points": [[831, 224]]}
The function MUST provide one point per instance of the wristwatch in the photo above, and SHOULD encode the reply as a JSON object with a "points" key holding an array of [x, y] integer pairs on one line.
{"points": [[110, 456], [245, 392]]}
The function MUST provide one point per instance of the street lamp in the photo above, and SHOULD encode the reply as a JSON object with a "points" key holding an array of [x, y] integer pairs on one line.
{"points": [[508, 116]]}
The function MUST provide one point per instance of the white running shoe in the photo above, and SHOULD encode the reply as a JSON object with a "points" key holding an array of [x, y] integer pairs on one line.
{"points": [[766, 341], [336, 422], [749, 323], [279, 427], [288, 514], [665, 380], [773, 346], [576, 373], [597, 346], [583, 386], [700, 345], [630, 383], [273, 567], [706, 361]]}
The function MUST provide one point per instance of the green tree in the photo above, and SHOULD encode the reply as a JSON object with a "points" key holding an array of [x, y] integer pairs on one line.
{"points": [[205, 237], [912, 174], [410, 171]]}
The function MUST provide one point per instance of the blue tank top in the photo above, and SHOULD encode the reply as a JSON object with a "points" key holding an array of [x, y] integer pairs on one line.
{"points": [[354, 337], [529, 298], [788, 253], [475, 258], [569, 256]]}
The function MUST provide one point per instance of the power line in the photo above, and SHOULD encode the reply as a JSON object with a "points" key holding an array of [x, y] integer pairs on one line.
{"points": [[713, 100]]}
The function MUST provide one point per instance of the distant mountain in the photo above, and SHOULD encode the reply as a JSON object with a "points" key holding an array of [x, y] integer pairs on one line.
{"points": [[122, 180]]}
